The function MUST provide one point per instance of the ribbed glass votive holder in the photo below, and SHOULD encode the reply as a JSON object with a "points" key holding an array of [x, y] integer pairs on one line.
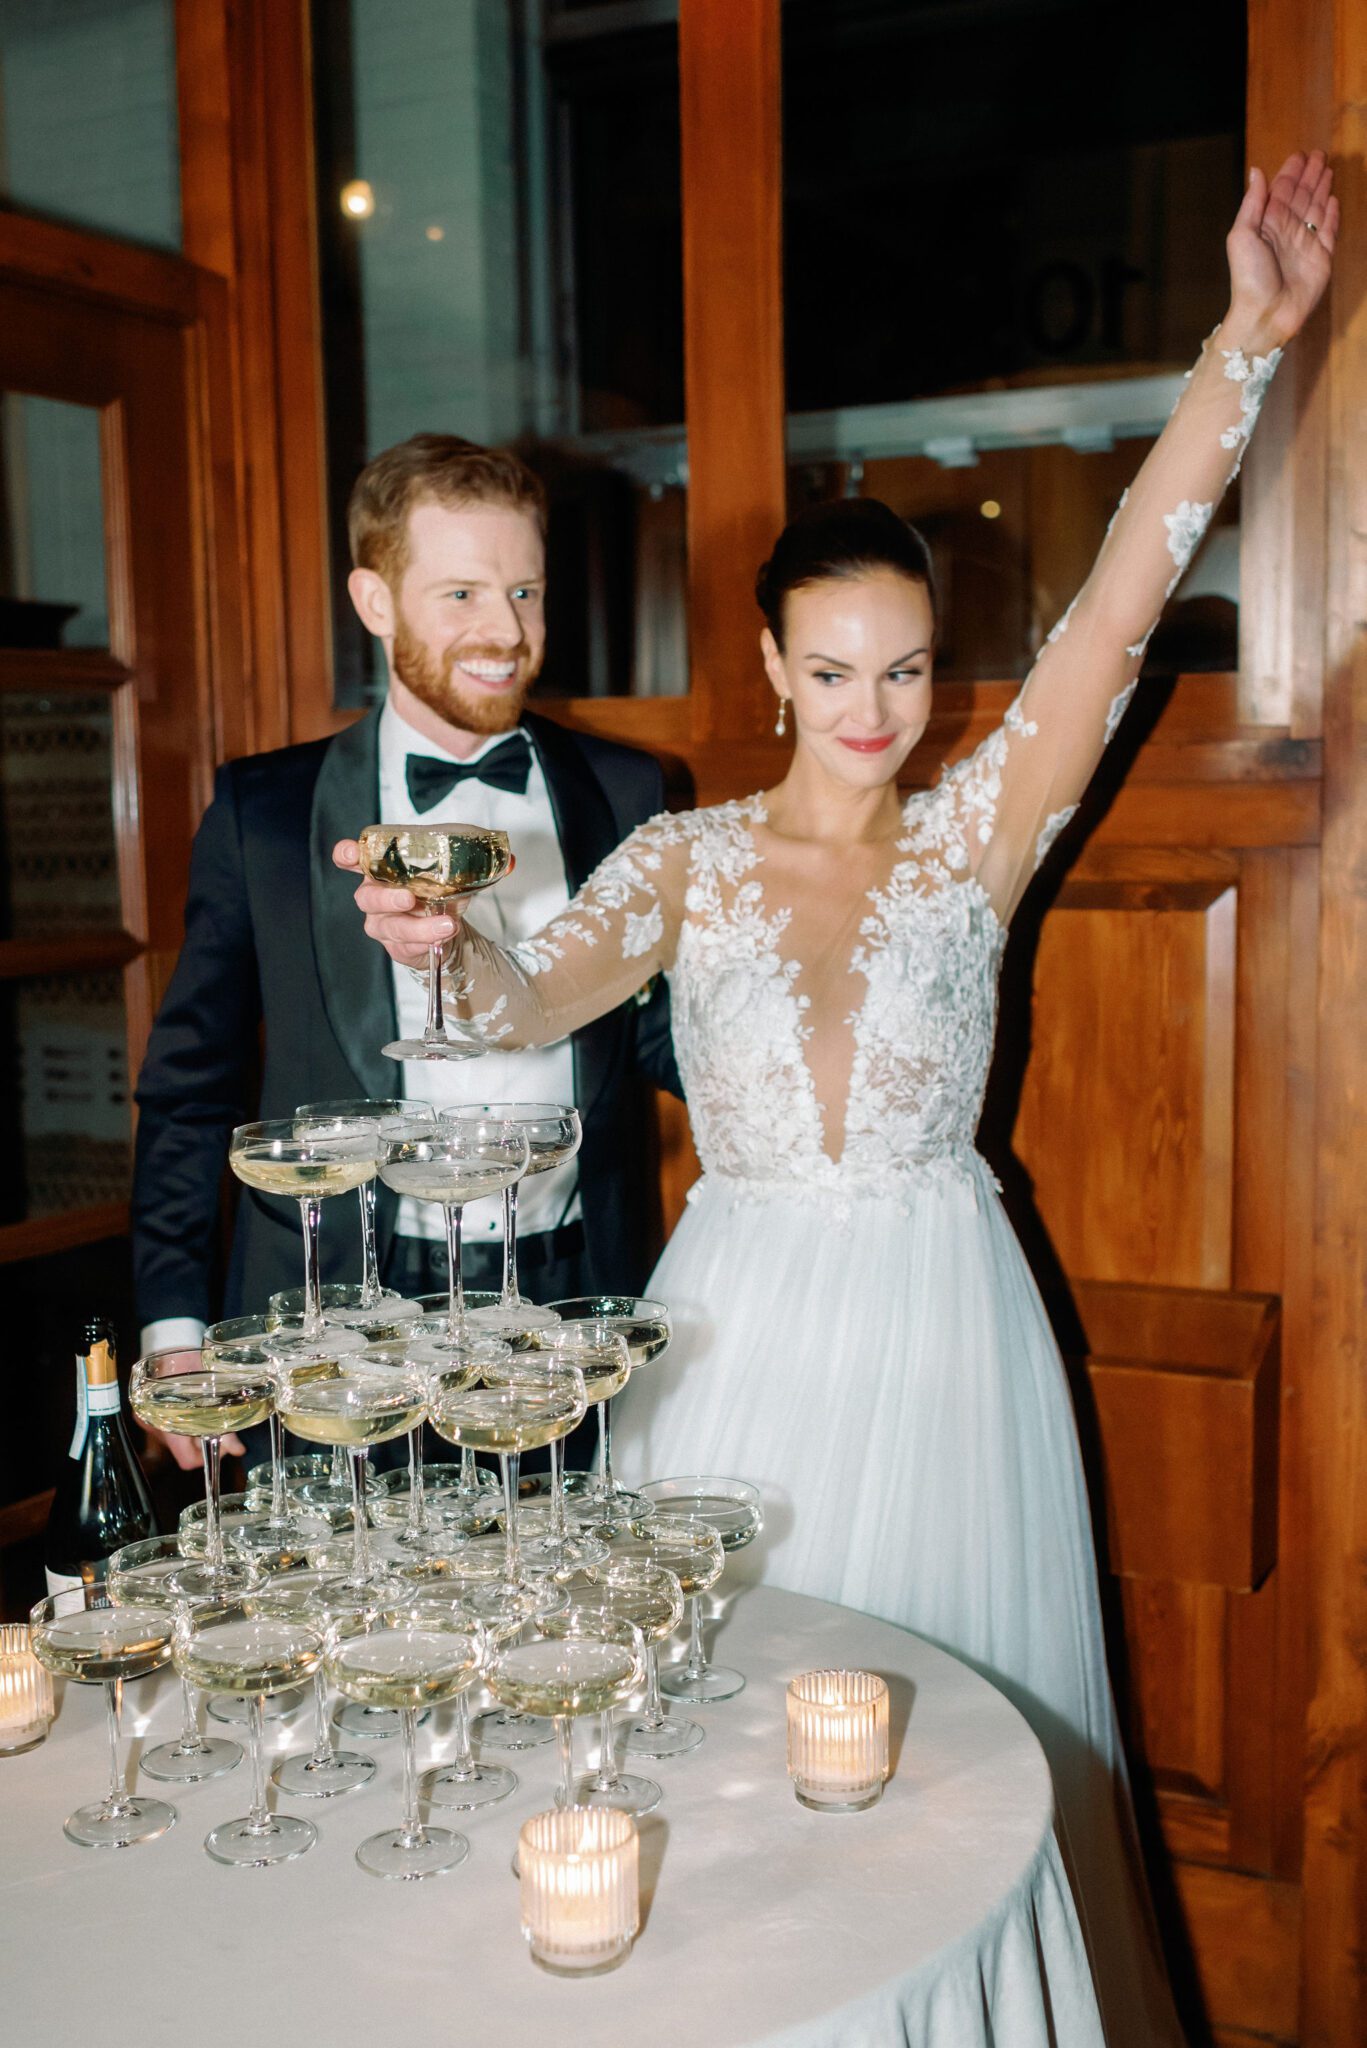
{"points": [[838, 1739], [26, 1707], [580, 1875]]}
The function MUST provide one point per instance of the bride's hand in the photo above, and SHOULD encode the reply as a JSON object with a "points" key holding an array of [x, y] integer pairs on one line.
{"points": [[1281, 248], [392, 916]]}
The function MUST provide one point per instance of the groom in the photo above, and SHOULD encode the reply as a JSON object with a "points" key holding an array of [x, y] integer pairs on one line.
{"points": [[447, 539]]}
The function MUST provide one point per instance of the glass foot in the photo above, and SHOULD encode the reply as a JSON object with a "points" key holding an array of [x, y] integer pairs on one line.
{"points": [[512, 1319], [371, 1724], [133, 1820], [170, 1764], [392, 1854], [671, 1738], [612, 1512], [235, 1709], [202, 1581], [283, 1837], [495, 1729], [628, 1794], [485, 1785], [420, 1049], [342, 1771], [718, 1682]]}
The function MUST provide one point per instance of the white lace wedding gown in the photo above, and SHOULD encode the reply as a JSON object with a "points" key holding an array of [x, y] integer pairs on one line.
{"points": [[857, 1331]]}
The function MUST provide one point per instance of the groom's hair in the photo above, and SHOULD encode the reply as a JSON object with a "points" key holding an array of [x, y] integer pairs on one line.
{"points": [[845, 537], [440, 469]]}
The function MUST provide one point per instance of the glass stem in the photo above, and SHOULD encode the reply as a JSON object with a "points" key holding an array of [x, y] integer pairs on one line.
{"points": [[510, 1465], [696, 1667], [606, 1776], [310, 1212], [607, 1485], [411, 1834], [337, 1478], [259, 1818], [559, 1532], [322, 1739], [417, 1506], [360, 1555], [277, 1429], [564, 1739], [462, 1764], [118, 1801], [654, 1716], [434, 1031], [370, 1271], [452, 1214], [189, 1744], [209, 1447], [511, 1297]]}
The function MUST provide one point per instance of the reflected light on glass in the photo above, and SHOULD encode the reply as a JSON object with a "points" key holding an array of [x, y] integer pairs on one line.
{"points": [[435, 233], [990, 509], [358, 200]]}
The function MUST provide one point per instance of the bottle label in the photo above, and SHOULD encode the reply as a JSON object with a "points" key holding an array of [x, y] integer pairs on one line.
{"points": [[78, 1435], [103, 1398], [61, 1582]]}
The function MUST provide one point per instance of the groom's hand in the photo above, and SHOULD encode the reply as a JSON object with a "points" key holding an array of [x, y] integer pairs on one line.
{"points": [[392, 916]]}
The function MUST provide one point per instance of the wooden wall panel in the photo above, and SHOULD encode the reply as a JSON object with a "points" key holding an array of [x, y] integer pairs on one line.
{"points": [[1155, 1072]]}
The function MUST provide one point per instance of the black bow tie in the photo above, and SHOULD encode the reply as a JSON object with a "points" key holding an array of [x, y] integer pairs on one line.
{"points": [[504, 767]]}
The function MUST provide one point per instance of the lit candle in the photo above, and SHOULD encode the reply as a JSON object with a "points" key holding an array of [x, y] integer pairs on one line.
{"points": [[580, 1877], [838, 1739], [25, 1692]]}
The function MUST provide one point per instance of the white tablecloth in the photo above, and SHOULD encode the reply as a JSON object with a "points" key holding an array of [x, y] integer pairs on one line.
{"points": [[940, 1918]]}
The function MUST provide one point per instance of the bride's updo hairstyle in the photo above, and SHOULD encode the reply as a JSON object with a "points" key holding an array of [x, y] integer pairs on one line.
{"points": [[845, 537]]}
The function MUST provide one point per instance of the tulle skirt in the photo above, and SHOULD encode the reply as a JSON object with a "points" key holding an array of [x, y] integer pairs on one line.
{"points": [[883, 1370]]}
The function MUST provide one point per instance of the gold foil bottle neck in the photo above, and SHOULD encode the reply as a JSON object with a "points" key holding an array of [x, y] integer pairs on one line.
{"points": [[101, 1365]]}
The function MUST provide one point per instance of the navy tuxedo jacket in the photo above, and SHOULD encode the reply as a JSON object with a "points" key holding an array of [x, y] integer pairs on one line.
{"points": [[273, 938]]}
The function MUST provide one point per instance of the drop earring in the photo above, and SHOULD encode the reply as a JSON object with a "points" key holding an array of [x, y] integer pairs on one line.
{"points": [[781, 722]]}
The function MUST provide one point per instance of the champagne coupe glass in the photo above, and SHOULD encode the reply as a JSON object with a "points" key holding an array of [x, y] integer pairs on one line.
{"points": [[429, 1354], [350, 1304], [733, 1508], [436, 863], [254, 1340], [604, 1362], [416, 1655], [503, 1611], [291, 1156], [81, 1634], [355, 1402], [647, 1327], [692, 1551], [456, 1164], [316, 1598], [554, 1134], [178, 1391], [650, 1597], [508, 1420], [593, 1661], [146, 1574], [234, 1650]]}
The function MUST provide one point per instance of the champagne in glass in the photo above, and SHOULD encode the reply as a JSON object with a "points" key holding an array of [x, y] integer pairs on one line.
{"points": [[255, 1340], [355, 1306], [437, 863], [256, 1655], [503, 1612], [179, 1392], [82, 1635], [458, 1163], [733, 1508], [356, 1403], [428, 1353], [645, 1327], [148, 1574], [593, 1661], [317, 1598], [692, 1551], [554, 1134], [602, 1359], [414, 1656], [648, 1596], [289, 1156], [508, 1420]]}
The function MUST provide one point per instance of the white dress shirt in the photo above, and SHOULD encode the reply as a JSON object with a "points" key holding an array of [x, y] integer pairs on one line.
{"points": [[512, 910], [509, 912]]}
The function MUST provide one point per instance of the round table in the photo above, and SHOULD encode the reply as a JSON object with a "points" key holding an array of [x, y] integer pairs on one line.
{"points": [[940, 1916]]}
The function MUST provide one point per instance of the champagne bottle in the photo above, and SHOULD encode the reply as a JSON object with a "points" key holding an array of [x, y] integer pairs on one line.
{"points": [[101, 1500]]}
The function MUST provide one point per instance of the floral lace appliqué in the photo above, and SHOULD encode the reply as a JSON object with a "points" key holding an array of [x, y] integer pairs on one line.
{"points": [[1186, 530], [1253, 379], [1053, 825]]}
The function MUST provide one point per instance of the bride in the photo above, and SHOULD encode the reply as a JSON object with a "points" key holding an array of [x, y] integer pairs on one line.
{"points": [[858, 1329]]}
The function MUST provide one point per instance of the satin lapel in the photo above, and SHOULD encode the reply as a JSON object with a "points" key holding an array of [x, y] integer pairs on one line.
{"points": [[358, 990], [588, 833]]}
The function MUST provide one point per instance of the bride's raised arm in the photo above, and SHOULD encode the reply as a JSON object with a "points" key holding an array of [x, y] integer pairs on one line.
{"points": [[616, 934], [1024, 783]]}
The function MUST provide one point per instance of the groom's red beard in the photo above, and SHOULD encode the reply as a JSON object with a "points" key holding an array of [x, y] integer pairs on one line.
{"points": [[435, 683]]}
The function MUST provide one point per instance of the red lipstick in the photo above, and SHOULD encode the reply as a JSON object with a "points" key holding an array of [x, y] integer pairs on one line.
{"points": [[867, 746]]}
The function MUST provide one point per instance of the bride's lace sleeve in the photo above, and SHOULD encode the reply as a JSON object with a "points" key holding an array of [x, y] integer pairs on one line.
{"points": [[1005, 805], [606, 945]]}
